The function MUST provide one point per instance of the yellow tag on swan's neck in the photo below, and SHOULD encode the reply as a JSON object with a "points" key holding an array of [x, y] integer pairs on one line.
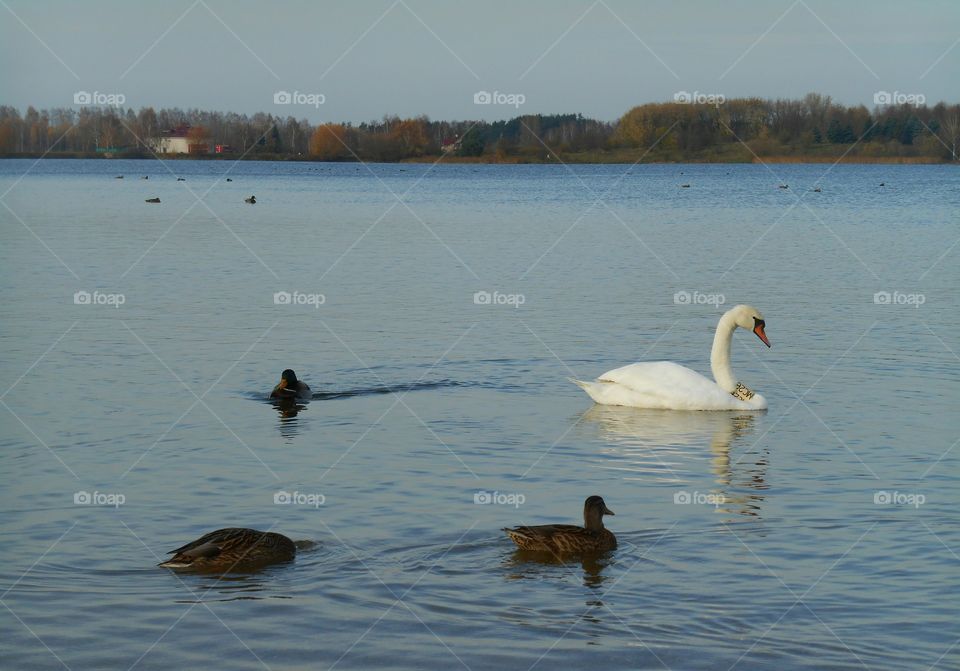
{"points": [[742, 392]]}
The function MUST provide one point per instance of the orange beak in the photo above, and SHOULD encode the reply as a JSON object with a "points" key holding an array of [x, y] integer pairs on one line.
{"points": [[758, 329]]}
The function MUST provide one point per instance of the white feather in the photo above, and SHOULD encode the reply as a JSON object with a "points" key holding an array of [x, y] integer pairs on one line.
{"points": [[669, 386]]}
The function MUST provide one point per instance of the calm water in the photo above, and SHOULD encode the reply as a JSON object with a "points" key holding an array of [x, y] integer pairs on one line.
{"points": [[787, 557]]}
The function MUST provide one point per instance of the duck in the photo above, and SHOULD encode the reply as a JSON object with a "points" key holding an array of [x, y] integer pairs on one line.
{"points": [[817, 190], [252, 200], [666, 385], [229, 180], [290, 387], [230, 549], [684, 186], [145, 177], [181, 179], [119, 177], [152, 200], [568, 538], [784, 186]]}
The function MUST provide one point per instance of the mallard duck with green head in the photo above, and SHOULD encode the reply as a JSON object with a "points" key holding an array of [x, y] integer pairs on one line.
{"points": [[568, 538], [232, 549], [290, 387]]}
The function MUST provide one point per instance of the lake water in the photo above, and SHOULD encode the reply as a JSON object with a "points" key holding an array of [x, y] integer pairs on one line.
{"points": [[820, 534]]}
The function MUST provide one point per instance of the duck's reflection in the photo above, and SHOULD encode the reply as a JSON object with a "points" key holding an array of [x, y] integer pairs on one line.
{"points": [[527, 564], [288, 409], [249, 585], [666, 445]]}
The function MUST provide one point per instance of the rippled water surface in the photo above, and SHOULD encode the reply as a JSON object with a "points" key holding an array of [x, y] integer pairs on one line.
{"points": [[820, 534]]}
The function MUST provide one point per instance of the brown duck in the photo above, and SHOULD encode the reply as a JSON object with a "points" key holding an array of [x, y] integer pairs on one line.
{"points": [[567, 538], [232, 549]]}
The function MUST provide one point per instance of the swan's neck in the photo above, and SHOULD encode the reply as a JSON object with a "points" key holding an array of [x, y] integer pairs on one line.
{"points": [[720, 354]]}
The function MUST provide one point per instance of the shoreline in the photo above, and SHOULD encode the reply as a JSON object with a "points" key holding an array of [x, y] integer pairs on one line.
{"points": [[590, 159]]}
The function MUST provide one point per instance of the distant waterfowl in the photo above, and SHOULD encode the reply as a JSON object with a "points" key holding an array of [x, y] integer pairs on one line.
{"points": [[817, 190], [882, 184], [290, 387], [229, 180], [784, 186], [670, 386], [153, 200], [232, 549], [145, 177], [181, 179], [567, 538], [119, 177], [684, 186], [252, 200]]}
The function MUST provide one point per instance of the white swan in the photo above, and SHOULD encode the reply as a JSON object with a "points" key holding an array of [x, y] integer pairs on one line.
{"points": [[670, 386]]}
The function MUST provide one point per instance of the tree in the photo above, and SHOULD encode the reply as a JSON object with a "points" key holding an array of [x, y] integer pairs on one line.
{"points": [[472, 143], [197, 140], [276, 144], [910, 130], [840, 133], [412, 136], [331, 142], [948, 130]]}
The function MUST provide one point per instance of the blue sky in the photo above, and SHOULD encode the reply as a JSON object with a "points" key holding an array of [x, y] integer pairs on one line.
{"points": [[368, 58]]}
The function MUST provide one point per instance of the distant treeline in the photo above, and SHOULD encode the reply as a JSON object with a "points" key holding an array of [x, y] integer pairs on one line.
{"points": [[739, 129]]}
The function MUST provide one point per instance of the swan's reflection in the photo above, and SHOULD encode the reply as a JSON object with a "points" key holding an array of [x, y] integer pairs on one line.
{"points": [[665, 446]]}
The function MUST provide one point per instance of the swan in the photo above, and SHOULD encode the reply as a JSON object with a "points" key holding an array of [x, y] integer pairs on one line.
{"points": [[670, 386]]}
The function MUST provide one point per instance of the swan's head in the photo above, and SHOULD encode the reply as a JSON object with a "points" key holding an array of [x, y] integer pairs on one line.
{"points": [[749, 318]]}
